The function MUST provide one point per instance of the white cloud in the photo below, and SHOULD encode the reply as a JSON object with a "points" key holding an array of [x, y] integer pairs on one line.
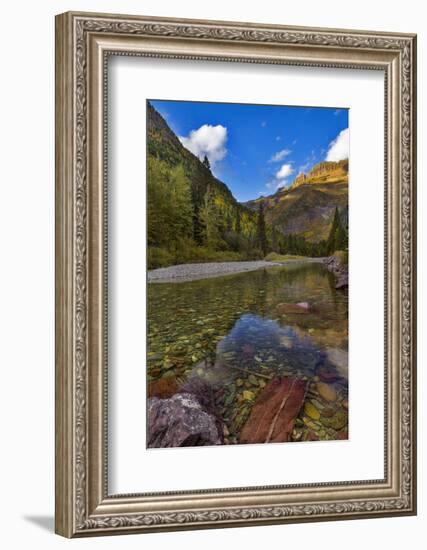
{"points": [[281, 178], [339, 148], [207, 140], [285, 171], [280, 155]]}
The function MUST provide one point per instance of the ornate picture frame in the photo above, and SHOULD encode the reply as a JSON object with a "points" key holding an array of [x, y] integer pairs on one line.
{"points": [[84, 42]]}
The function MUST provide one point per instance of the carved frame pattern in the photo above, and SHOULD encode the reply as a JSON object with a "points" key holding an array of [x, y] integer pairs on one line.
{"points": [[76, 514]]}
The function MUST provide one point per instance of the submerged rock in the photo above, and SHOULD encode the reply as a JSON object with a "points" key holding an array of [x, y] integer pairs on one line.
{"points": [[273, 416], [163, 388], [326, 391], [337, 421], [326, 373], [342, 281], [311, 411], [339, 269], [301, 307], [181, 421]]}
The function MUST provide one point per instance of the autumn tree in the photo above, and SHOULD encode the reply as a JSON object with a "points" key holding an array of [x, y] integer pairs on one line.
{"points": [[210, 217], [238, 222], [337, 239], [261, 233], [169, 206]]}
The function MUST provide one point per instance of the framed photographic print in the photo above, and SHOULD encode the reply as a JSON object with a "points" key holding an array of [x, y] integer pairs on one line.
{"points": [[235, 274]]}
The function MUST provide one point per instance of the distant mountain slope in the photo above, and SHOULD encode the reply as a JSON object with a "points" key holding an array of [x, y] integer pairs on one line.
{"points": [[307, 207]]}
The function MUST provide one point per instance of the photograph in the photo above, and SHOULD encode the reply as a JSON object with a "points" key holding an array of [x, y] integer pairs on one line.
{"points": [[235, 271], [247, 273]]}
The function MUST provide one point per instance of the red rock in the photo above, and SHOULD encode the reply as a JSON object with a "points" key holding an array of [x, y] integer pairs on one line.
{"points": [[302, 307], [326, 374], [164, 387], [273, 415], [327, 413]]}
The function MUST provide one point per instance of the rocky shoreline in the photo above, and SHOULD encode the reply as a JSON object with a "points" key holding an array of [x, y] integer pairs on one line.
{"points": [[193, 272], [339, 269]]}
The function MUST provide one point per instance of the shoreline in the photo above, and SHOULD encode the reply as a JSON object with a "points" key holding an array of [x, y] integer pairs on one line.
{"points": [[193, 272]]}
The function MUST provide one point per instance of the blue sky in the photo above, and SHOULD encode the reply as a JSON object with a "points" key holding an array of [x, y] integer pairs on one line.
{"points": [[256, 149]]}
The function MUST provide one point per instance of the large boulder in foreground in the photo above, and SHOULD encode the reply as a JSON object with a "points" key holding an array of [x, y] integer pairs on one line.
{"points": [[273, 415], [181, 421]]}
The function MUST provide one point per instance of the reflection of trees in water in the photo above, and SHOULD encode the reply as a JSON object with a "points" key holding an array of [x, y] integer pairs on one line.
{"points": [[220, 302]]}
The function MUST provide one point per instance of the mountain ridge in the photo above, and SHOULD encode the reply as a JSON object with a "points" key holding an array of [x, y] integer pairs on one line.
{"points": [[193, 216], [306, 208]]}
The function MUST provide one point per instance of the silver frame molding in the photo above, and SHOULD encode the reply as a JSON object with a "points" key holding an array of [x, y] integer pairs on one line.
{"points": [[83, 43]]}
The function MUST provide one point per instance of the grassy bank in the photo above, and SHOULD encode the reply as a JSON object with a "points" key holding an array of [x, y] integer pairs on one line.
{"points": [[162, 257], [341, 256], [274, 257]]}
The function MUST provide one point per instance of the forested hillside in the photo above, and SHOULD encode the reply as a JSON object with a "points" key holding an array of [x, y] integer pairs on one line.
{"points": [[193, 217]]}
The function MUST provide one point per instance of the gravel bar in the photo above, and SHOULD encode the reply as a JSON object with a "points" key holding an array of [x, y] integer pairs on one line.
{"points": [[193, 272]]}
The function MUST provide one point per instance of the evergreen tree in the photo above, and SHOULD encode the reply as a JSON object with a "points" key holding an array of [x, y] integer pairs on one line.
{"points": [[337, 239], [261, 234], [238, 222], [210, 219], [274, 239], [206, 163]]}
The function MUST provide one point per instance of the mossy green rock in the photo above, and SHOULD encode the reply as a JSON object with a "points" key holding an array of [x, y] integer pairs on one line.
{"points": [[248, 395], [337, 422], [253, 380], [311, 411]]}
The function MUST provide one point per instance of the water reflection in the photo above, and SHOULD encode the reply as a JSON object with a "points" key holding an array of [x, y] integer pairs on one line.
{"points": [[237, 333]]}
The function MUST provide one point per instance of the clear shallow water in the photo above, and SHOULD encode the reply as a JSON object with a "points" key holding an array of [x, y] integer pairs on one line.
{"points": [[238, 332]]}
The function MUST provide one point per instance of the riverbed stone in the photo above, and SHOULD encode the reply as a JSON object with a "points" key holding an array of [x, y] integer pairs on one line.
{"points": [[337, 421], [343, 434], [181, 421], [273, 416], [162, 388], [326, 391], [252, 380], [326, 373], [284, 308], [248, 395], [311, 411]]}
